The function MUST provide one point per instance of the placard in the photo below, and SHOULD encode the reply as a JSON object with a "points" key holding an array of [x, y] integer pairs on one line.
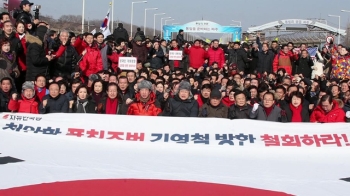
{"points": [[127, 63], [175, 55]]}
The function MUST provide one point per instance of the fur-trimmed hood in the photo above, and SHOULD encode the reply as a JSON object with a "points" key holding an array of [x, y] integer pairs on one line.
{"points": [[33, 39]]}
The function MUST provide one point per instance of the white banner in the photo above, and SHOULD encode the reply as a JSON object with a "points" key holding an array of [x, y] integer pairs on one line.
{"points": [[88, 151], [175, 55], [127, 63]]}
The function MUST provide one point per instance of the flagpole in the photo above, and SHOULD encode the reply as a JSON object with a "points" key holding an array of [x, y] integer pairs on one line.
{"points": [[111, 4]]}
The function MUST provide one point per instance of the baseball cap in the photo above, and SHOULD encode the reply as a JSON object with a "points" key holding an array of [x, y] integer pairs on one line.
{"points": [[25, 2]]}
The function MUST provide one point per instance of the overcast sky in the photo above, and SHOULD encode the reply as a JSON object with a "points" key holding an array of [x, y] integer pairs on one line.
{"points": [[250, 12]]}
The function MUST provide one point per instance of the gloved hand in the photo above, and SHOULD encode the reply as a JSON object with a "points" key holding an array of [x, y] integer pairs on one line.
{"points": [[348, 114], [255, 107]]}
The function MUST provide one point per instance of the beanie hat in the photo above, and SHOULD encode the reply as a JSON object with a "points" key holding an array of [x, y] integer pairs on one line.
{"points": [[93, 77], [138, 38], [215, 94], [184, 85], [27, 85], [144, 84]]}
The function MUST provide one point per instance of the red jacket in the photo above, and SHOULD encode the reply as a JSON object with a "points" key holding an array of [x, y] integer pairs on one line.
{"points": [[141, 109], [114, 58], [24, 105], [197, 56], [283, 60], [227, 102], [80, 45], [91, 62], [22, 56], [216, 55], [335, 115]]}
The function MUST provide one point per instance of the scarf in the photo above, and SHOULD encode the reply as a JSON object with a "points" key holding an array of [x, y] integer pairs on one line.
{"points": [[81, 104], [111, 106], [97, 97], [40, 92], [268, 111], [8, 55], [296, 113]]}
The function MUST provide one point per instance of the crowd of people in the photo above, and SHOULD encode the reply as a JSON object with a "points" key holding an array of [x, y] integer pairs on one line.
{"points": [[43, 71]]}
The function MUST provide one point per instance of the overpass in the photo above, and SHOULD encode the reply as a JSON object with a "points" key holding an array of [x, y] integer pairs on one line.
{"points": [[304, 31]]}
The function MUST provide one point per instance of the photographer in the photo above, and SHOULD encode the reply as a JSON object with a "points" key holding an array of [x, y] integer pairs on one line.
{"points": [[24, 14]]}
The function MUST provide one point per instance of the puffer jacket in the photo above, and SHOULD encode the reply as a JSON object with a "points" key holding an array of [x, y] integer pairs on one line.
{"points": [[91, 62], [24, 105], [65, 63], [181, 108], [335, 115], [207, 110], [341, 67], [36, 60], [197, 55], [283, 60], [216, 55], [151, 108]]}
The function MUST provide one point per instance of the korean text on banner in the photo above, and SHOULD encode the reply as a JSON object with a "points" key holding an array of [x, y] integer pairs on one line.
{"points": [[175, 55], [127, 63]]}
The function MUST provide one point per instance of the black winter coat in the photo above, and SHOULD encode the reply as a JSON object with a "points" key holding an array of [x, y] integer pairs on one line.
{"points": [[90, 107], [180, 39], [37, 63], [304, 113], [54, 105], [179, 108], [237, 112], [15, 43], [122, 97], [120, 33], [265, 61], [25, 17], [4, 101], [65, 64], [157, 61], [101, 107], [304, 67]]}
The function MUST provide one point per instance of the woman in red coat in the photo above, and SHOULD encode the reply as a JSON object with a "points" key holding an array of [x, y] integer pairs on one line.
{"points": [[145, 104], [328, 111], [27, 103]]}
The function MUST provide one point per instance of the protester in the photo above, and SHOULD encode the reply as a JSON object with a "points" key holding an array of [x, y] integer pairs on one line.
{"points": [[54, 102], [145, 103], [120, 33], [182, 105], [27, 102], [214, 108], [240, 110], [268, 111], [6, 91], [328, 111], [83, 102], [111, 103], [295, 111]]}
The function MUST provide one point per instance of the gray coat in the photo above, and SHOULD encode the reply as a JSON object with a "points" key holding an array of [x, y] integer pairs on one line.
{"points": [[275, 115]]}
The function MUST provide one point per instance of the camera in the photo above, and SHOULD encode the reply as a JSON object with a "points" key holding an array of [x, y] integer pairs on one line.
{"points": [[36, 11]]}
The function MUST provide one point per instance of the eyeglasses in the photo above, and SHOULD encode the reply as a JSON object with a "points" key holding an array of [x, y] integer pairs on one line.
{"points": [[269, 100]]}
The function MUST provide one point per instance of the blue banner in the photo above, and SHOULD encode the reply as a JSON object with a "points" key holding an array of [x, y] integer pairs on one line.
{"points": [[203, 26]]}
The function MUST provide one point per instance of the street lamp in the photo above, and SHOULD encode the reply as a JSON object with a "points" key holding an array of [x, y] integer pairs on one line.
{"points": [[83, 18], [338, 26], [175, 23], [154, 23], [167, 21], [145, 23], [345, 10], [240, 23], [161, 25], [132, 13]]}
